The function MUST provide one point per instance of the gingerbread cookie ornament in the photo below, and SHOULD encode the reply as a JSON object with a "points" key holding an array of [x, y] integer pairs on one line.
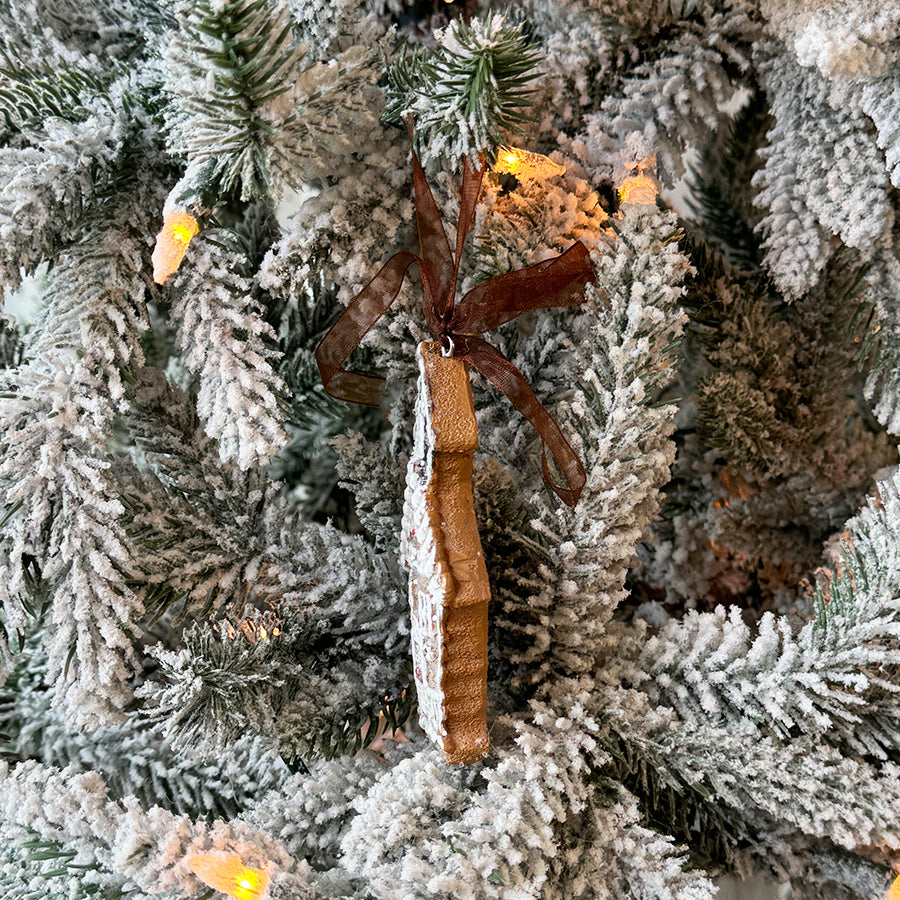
{"points": [[448, 581]]}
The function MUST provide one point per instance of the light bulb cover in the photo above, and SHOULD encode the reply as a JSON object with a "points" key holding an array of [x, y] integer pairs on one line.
{"points": [[227, 873], [525, 165], [179, 226], [640, 188]]}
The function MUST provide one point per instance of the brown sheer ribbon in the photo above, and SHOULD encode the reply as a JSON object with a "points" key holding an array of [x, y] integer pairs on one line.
{"points": [[555, 282]]}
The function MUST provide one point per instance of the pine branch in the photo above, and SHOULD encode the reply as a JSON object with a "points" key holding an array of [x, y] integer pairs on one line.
{"points": [[673, 806], [559, 832], [95, 302], [200, 548], [375, 479], [831, 872], [686, 71], [228, 345], [207, 559], [705, 801], [337, 102], [327, 26], [36, 869], [164, 425], [646, 863], [720, 185], [620, 359], [764, 346], [676, 97], [30, 94], [69, 559], [133, 758], [69, 179], [314, 808], [831, 796], [46, 192], [841, 170], [64, 540], [755, 498], [879, 334], [878, 99], [10, 343], [467, 92], [833, 680], [129, 847], [721, 786], [523, 590], [280, 683], [104, 33], [229, 71]]}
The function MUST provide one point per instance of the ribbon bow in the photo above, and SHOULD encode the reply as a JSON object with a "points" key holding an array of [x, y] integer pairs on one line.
{"points": [[555, 282]]}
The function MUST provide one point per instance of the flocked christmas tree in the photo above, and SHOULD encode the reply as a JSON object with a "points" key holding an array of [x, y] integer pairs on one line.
{"points": [[693, 669]]}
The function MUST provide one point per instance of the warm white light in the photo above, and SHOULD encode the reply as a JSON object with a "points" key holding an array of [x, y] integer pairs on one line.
{"points": [[639, 188], [894, 892], [526, 165], [172, 242], [227, 873]]}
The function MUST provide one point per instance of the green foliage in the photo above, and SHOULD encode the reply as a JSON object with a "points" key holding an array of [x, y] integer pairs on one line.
{"points": [[313, 418], [756, 364], [375, 478], [230, 71], [670, 804], [134, 758], [229, 348], [345, 735], [721, 195], [785, 462], [875, 323], [29, 94], [405, 75], [655, 22], [467, 91], [683, 794], [275, 678], [108, 32], [194, 555], [84, 166], [856, 611], [834, 680], [233, 688], [762, 406], [307, 321], [36, 868], [518, 561]]}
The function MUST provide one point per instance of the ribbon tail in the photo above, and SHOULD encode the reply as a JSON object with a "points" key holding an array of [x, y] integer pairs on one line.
{"points": [[436, 263], [511, 382], [468, 200], [364, 310]]}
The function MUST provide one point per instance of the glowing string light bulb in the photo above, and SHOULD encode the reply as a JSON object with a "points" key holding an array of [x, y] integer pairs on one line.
{"points": [[638, 188], [894, 892], [525, 165], [227, 873], [179, 226]]}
